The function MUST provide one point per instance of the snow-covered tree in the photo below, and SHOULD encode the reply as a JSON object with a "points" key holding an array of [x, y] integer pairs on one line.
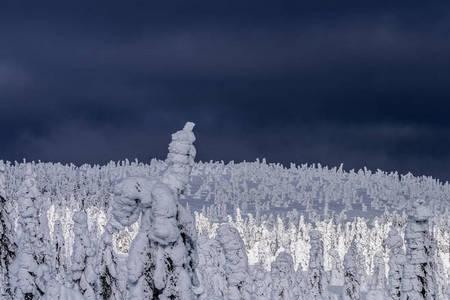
{"points": [[260, 283], [30, 271], [7, 243], [211, 268], [59, 264], [162, 258], [282, 274], [83, 258], [317, 277], [236, 267], [419, 280], [394, 242], [352, 273], [336, 274], [378, 278], [107, 265]]}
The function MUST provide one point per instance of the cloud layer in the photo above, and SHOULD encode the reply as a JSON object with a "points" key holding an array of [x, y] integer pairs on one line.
{"points": [[362, 84]]}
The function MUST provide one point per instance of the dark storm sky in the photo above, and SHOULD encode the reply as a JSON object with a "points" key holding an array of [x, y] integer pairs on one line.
{"points": [[366, 83]]}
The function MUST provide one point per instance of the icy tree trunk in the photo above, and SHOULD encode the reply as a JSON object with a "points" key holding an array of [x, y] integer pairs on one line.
{"points": [[418, 280]]}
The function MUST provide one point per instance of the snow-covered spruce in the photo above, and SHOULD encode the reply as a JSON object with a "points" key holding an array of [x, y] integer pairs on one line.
{"points": [[419, 281], [7, 243], [83, 258], [107, 269], [163, 257], [236, 267], [211, 268], [283, 277], [394, 242], [377, 281], [336, 274], [317, 277], [59, 263], [352, 273], [260, 285], [30, 270]]}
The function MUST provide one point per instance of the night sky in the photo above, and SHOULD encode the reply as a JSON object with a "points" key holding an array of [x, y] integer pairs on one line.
{"points": [[365, 83]]}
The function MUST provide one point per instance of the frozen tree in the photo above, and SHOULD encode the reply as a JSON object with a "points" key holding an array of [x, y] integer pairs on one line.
{"points": [[59, 264], [352, 273], [107, 265], [282, 274], [260, 284], [377, 282], [236, 267], [418, 280], [317, 277], [378, 278], [7, 244], [394, 242], [336, 276], [30, 265], [162, 258], [211, 268], [83, 258]]}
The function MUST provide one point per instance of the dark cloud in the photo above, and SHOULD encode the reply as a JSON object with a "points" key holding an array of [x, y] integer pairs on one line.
{"points": [[359, 83]]}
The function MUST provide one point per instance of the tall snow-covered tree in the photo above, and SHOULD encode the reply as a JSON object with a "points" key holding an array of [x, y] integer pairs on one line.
{"points": [[394, 242], [83, 258], [317, 277], [162, 258], [260, 284], [211, 268], [59, 264], [30, 269], [7, 243], [419, 280], [336, 274], [282, 274], [107, 265], [236, 268], [352, 273]]}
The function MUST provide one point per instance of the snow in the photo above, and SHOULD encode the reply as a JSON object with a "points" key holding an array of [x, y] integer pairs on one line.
{"points": [[180, 229]]}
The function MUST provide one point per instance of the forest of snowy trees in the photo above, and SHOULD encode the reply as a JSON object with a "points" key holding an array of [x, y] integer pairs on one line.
{"points": [[179, 229]]}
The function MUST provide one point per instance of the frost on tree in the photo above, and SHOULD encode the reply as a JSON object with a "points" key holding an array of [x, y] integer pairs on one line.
{"points": [[419, 280], [317, 277], [162, 259], [59, 264], [377, 282], [7, 244], [83, 258], [394, 242], [336, 274], [107, 266], [30, 272], [283, 277], [211, 268], [352, 273], [260, 285], [236, 268]]}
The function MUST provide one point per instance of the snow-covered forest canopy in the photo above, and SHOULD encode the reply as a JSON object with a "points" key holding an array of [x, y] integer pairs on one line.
{"points": [[179, 229]]}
